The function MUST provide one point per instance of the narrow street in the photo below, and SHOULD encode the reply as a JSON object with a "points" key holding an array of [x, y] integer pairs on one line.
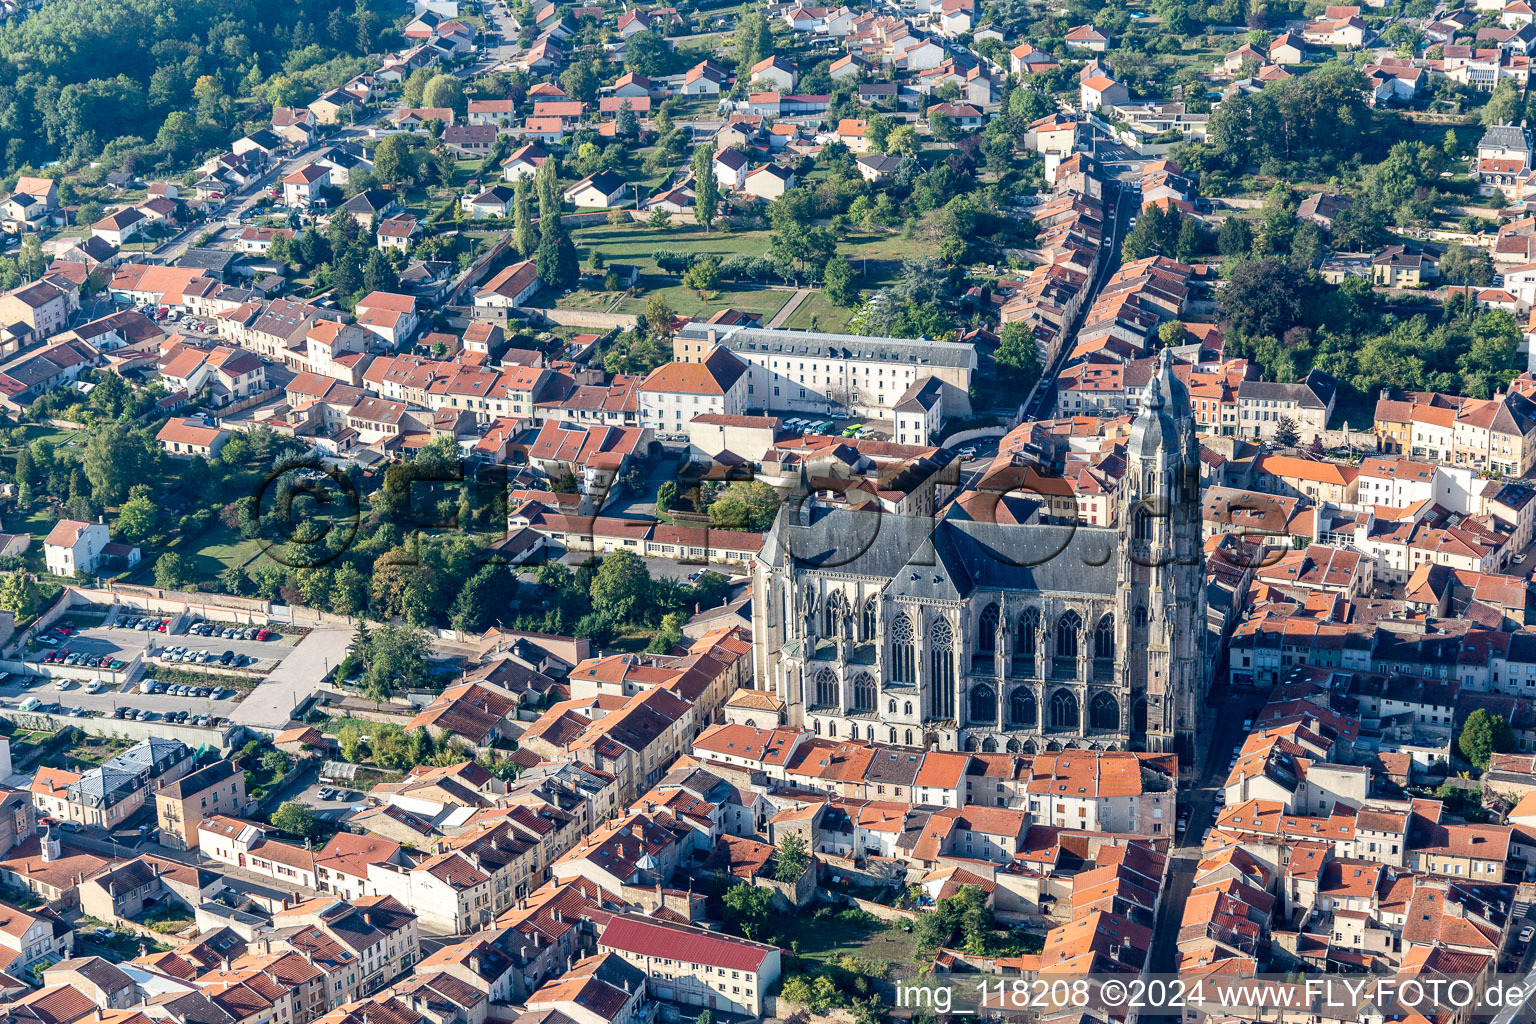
{"points": [[1226, 732], [1042, 401]]}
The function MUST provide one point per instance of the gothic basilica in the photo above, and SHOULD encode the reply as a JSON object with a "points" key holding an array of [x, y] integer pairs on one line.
{"points": [[954, 634]]}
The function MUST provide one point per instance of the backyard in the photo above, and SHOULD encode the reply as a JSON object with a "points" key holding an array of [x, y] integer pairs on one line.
{"points": [[206, 554]]}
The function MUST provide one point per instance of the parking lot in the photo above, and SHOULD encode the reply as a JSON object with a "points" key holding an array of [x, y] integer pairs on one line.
{"points": [[101, 690], [105, 702], [342, 798], [124, 643]]}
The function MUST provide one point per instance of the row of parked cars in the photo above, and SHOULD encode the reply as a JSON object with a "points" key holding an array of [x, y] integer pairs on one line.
{"points": [[186, 655], [64, 656], [185, 690], [150, 624], [38, 704], [177, 717], [232, 632]]}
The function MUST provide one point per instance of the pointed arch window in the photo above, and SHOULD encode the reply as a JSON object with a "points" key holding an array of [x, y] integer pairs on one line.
{"points": [[1026, 640], [941, 669]]}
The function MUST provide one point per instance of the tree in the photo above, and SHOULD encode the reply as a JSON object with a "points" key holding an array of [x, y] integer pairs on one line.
{"points": [[20, 595], [444, 91], [625, 124], [31, 261], [942, 126], [1483, 735], [744, 505], [747, 907], [580, 82], [1285, 432], [394, 161], [1192, 240], [666, 496], [136, 519], [754, 41], [1265, 296], [26, 476], [522, 217], [670, 635], [703, 276], [1018, 357], [555, 259], [877, 131], [547, 180], [485, 595], [176, 135], [791, 860], [1234, 240], [274, 762], [349, 590], [620, 585], [658, 316], [1503, 105], [706, 189], [397, 658], [839, 283], [213, 103], [379, 274], [902, 141], [171, 572], [296, 819], [415, 87]]}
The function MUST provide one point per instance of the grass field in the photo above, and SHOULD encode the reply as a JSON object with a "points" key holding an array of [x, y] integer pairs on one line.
{"points": [[829, 937], [206, 555], [876, 256], [829, 318], [635, 243], [687, 302]]}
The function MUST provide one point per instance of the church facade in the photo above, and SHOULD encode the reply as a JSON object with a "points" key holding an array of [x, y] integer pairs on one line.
{"points": [[953, 634]]}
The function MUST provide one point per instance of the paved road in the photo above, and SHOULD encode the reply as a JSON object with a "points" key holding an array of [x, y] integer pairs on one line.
{"points": [[270, 706], [1226, 732], [788, 309], [1043, 402]]}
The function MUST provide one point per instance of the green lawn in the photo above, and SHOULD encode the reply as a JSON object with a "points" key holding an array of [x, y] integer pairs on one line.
{"points": [[828, 937], [687, 302], [207, 554], [635, 243], [829, 318]]}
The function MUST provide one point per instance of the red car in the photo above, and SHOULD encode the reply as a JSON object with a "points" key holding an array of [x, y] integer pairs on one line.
{"points": [[63, 630], [262, 634], [163, 624]]}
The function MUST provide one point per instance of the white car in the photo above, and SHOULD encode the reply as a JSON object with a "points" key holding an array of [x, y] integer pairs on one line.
{"points": [[1527, 933]]}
